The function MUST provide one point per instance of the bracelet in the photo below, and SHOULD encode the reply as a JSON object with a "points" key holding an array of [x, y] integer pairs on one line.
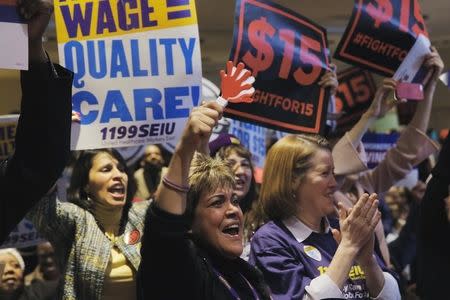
{"points": [[173, 186]]}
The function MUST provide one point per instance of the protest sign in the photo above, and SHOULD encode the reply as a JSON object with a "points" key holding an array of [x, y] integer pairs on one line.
{"points": [[354, 94], [380, 33], [137, 69], [376, 145], [24, 235], [8, 125], [252, 137], [287, 54], [412, 69], [14, 37]]}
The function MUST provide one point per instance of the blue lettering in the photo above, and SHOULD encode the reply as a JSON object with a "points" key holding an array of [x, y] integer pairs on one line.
{"points": [[134, 18], [79, 71], [168, 43], [153, 57], [195, 90], [187, 53], [143, 130], [141, 105], [145, 16], [115, 99], [170, 95], [105, 18], [83, 96], [101, 73], [118, 60], [137, 71], [72, 23]]}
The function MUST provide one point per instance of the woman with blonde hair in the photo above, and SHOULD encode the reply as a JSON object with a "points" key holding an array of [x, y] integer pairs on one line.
{"points": [[302, 253]]}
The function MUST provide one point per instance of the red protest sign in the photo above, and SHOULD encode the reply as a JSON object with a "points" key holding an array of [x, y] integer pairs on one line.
{"points": [[354, 94], [380, 34], [287, 55]]}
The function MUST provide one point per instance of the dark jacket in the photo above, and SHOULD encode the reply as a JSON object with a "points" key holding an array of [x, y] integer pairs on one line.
{"points": [[174, 267], [39, 290], [433, 251], [42, 142]]}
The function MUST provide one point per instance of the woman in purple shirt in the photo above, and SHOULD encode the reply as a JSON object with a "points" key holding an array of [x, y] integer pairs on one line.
{"points": [[302, 253]]}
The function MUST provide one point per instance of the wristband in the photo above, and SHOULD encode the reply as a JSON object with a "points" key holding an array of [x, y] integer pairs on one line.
{"points": [[175, 187]]}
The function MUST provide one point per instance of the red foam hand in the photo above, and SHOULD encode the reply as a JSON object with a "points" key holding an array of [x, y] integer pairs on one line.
{"points": [[236, 84]]}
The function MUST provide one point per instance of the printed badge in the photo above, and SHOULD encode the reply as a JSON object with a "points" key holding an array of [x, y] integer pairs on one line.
{"points": [[312, 252], [132, 237]]}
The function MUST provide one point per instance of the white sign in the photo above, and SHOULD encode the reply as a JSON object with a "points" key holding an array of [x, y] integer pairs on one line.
{"points": [[137, 69], [410, 70], [14, 37]]}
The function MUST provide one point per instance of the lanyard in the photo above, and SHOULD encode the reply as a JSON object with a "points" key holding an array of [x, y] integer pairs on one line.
{"points": [[232, 290]]}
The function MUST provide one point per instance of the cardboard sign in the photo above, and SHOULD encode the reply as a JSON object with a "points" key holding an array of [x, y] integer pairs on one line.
{"points": [[354, 94], [14, 37], [137, 69], [380, 34], [287, 54], [8, 126]]}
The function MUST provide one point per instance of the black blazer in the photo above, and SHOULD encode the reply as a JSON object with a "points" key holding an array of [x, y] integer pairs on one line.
{"points": [[42, 142], [433, 251]]}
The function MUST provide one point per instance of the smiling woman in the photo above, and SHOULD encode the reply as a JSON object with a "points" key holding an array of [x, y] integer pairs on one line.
{"points": [[299, 252], [194, 229], [99, 232]]}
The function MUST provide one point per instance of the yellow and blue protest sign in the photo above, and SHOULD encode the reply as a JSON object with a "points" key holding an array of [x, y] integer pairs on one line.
{"points": [[137, 69], [8, 125]]}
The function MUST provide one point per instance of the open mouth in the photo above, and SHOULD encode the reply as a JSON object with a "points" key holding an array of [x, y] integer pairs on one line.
{"points": [[117, 191], [232, 230], [240, 183]]}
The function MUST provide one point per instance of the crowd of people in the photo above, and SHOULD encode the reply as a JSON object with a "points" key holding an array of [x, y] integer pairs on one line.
{"points": [[197, 225]]}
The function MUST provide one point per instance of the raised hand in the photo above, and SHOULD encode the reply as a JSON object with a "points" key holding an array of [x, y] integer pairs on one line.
{"points": [[434, 63], [381, 103], [329, 80], [37, 13], [236, 84], [200, 125]]}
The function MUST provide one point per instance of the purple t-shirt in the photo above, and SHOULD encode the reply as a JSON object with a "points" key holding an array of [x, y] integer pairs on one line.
{"points": [[289, 262]]}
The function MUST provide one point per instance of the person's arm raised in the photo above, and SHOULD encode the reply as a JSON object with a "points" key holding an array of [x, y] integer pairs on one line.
{"points": [[170, 195], [37, 13], [421, 117], [380, 105]]}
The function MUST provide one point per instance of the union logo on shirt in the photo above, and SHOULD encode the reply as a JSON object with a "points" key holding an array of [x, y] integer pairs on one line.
{"points": [[312, 252]]}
